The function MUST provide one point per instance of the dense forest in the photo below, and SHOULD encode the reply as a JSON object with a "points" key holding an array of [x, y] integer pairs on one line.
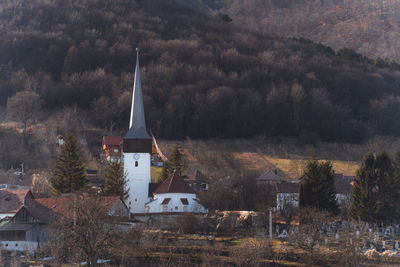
{"points": [[372, 27], [202, 75]]}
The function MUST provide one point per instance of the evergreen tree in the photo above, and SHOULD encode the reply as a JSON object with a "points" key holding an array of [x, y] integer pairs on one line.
{"points": [[165, 172], [376, 190], [363, 197], [115, 181], [318, 189], [70, 171], [175, 162]]}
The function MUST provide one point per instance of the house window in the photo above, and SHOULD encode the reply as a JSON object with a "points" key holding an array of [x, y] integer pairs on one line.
{"points": [[204, 186], [136, 163], [176, 207], [116, 150]]}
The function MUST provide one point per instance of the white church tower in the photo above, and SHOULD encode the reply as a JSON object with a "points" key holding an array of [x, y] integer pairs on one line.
{"points": [[137, 146]]}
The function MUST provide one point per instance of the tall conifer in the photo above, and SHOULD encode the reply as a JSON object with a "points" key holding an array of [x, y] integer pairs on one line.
{"points": [[175, 162], [70, 171], [115, 181], [376, 190], [318, 189]]}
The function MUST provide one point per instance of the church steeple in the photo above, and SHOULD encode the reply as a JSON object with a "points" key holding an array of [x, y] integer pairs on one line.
{"points": [[137, 123], [137, 139]]}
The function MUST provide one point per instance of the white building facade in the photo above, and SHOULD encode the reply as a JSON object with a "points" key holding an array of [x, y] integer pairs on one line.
{"points": [[137, 147], [174, 195]]}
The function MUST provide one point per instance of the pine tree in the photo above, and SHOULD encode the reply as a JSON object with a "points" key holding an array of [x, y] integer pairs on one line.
{"points": [[376, 190], [388, 190], [363, 197], [176, 160], [165, 172], [174, 163], [318, 188], [115, 181], [70, 171]]}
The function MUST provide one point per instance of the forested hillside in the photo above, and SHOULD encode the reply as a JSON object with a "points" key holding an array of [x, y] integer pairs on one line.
{"points": [[202, 76], [371, 27]]}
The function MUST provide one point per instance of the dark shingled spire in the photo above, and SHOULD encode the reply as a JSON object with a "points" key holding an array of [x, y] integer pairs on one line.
{"points": [[137, 125], [137, 140]]}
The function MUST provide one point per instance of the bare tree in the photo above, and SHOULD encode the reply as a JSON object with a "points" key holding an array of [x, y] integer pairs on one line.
{"points": [[84, 232], [308, 234], [41, 184], [24, 107]]}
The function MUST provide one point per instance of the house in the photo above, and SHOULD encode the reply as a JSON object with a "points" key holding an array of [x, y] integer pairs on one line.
{"points": [[112, 145], [60, 140], [12, 200], [269, 177], [174, 195], [62, 205], [287, 194], [28, 229], [343, 189], [201, 182]]}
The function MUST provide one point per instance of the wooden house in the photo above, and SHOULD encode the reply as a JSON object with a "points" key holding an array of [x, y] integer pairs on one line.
{"points": [[112, 145], [28, 229]]}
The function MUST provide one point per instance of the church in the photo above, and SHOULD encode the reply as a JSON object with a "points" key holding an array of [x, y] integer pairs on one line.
{"points": [[174, 194]]}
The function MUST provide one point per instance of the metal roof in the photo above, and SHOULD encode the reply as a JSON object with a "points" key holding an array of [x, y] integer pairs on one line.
{"points": [[137, 125]]}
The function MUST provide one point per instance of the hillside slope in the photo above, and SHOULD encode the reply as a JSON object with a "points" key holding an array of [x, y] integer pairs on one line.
{"points": [[371, 27], [202, 77]]}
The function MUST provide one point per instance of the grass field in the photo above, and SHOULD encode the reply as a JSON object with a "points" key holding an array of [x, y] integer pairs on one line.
{"points": [[258, 156]]}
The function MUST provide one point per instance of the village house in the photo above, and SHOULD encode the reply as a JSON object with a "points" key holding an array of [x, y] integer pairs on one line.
{"points": [[201, 182], [112, 145], [28, 229], [343, 189], [287, 193], [11, 201], [63, 205], [269, 177]]}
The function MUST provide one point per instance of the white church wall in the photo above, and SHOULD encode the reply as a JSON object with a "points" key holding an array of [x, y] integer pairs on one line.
{"points": [[174, 204], [137, 169]]}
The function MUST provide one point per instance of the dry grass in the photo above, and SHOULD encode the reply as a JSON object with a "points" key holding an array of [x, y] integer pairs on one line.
{"points": [[225, 157]]}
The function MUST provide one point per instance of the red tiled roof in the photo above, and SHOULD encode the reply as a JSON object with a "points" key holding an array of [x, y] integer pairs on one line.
{"points": [[62, 205], [112, 140], [152, 188], [174, 184]]}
